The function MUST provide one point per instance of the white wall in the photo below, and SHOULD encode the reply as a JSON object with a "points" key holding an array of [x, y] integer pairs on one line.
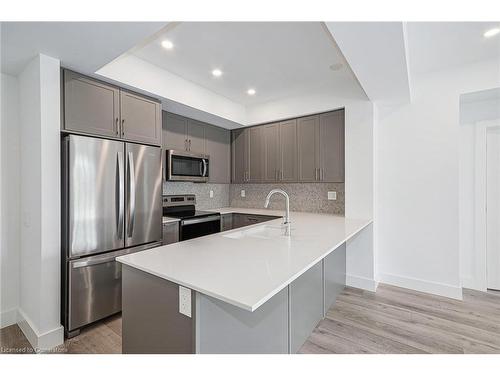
{"points": [[39, 310], [10, 184], [417, 206]]}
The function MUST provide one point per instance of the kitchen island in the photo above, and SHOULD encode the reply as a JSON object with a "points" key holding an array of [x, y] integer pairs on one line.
{"points": [[247, 290]]}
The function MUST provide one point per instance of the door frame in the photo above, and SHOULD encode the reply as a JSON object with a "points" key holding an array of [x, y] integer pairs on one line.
{"points": [[480, 201]]}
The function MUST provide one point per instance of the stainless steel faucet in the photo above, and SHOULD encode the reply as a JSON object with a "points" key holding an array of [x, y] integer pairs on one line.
{"points": [[287, 203]]}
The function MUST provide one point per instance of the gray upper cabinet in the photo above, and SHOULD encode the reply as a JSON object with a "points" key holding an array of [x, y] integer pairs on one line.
{"points": [[331, 146], [195, 137], [217, 146], [97, 108], [90, 106], [271, 144], [255, 154], [308, 148], [174, 132], [239, 147], [288, 169], [140, 118]]}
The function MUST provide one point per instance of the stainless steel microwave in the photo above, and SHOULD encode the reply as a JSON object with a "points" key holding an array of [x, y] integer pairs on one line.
{"points": [[186, 166]]}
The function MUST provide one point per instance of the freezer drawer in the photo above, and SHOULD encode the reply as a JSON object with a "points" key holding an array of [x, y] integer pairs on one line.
{"points": [[95, 288]]}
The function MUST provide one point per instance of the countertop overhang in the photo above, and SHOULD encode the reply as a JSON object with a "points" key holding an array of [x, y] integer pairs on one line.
{"points": [[247, 272]]}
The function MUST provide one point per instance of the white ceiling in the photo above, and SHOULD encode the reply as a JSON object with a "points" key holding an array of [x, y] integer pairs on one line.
{"points": [[278, 59], [441, 45], [82, 46]]}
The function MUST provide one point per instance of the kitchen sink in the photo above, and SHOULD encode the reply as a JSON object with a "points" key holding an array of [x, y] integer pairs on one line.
{"points": [[261, 231]]}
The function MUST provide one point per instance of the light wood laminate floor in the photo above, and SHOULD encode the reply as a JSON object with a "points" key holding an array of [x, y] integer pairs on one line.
{"points": [[392, 320]]}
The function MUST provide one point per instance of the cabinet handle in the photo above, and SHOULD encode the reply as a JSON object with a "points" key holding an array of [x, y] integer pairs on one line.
{"points": [[189, 145], [123, 127], [186, 145], [316, 174], [281, 175], [321, 174], [117, 125]]}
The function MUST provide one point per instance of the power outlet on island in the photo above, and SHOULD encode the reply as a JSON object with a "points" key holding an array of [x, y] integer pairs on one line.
{"points": [[332, 195], [185, 301], [243, 195]]}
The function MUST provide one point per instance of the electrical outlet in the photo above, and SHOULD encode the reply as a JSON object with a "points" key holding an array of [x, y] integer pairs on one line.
{"points": [[211, 193], [332, 195], [243, 194], [185, 301]]}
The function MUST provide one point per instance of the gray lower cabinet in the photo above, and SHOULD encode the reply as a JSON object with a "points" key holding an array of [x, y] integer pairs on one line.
{"points": [[239, 165], [306, 305], [90, 106], [226, 222], [170, 233], [217, 146], [97, 108], [140, 118]]}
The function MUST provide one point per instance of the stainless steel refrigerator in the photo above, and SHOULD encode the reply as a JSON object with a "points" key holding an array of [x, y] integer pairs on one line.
{"points": [[112, 206]]}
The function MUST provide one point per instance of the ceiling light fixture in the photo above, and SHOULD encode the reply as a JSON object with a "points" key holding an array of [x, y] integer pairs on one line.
{"points": [[167, 44], [491, 32], [251, 91], [216, 72]]}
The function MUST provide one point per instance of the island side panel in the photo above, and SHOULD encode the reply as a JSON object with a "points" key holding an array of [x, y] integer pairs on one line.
{"points": [[151, 322], [225, 329], [306, 305], [334, 271]]}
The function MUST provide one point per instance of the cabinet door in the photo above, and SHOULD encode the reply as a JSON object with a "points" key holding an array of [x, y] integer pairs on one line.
{"points": [[288, 170], [255, 154], [271, 144], [218, 149], [174, 132], [140, 118], [196, 136], [308, 148], [239, 156], [331, 146], [90, 106]]}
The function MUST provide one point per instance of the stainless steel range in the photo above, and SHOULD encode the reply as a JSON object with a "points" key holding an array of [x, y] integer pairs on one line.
{"points": [[193, 223]]}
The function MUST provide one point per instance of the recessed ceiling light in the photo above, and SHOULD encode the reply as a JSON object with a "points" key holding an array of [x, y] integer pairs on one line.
{"points": [[491, 32], [336, 67], [216, 73], [167, 44], [251, 91]]}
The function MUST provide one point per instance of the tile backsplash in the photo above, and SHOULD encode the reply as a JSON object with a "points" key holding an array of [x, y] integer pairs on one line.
{"points": [[306, 197], [202, 192]]}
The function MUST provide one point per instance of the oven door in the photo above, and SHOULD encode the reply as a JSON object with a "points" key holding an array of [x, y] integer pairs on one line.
{"points": [[200, 226], [183, 166]]}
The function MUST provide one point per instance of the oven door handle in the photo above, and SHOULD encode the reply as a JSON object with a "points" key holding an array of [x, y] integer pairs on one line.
{"points": [[200, 220]]}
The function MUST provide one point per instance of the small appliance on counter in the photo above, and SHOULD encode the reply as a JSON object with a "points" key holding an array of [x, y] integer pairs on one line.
{"points": [[192, 223], [186, 166]]}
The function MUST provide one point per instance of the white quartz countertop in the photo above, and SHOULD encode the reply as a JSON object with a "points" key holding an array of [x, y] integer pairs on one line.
{"points": [[248, 271]]}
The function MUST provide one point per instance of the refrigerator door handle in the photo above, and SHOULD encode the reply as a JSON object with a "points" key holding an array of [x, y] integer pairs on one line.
{"points": [[121, 194], [131, 194]]}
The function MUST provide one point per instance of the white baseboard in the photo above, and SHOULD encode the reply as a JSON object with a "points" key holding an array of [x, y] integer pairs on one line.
{"points": [[361, 283], [8, 317], [40, 342], [470, 283], [425, 286]]}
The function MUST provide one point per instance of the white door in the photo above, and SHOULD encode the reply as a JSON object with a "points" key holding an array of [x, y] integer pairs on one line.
{"points": [[493, 207]]}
